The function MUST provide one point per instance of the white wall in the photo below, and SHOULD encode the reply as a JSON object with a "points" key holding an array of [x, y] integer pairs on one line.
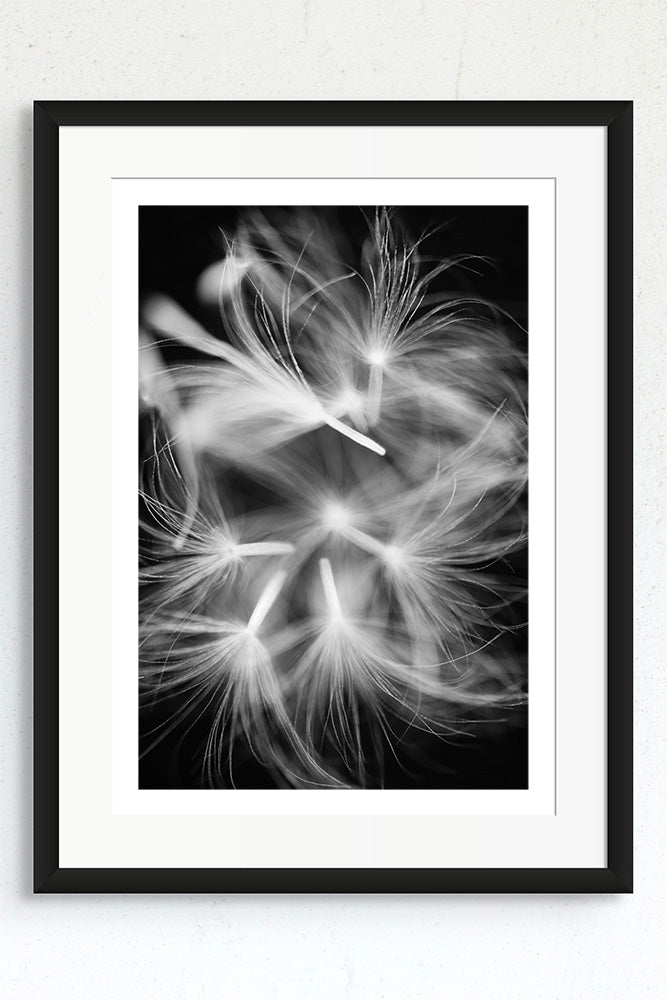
{"points": [[389, 947]]}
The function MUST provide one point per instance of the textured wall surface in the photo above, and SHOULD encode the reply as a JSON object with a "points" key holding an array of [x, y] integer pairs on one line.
{"points": [[168, 947]]}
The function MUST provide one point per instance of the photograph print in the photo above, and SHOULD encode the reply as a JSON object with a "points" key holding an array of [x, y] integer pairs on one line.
{"points": [[333, 490]]}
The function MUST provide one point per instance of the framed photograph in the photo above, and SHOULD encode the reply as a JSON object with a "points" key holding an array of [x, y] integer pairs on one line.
{"points": [[333, 497]]}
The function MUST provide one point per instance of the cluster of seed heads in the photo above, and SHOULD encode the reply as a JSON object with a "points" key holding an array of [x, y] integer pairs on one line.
{"points": [[332, 484]]}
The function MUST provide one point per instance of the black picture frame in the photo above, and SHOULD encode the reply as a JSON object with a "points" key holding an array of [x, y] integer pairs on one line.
{"points": [[616, 118]]}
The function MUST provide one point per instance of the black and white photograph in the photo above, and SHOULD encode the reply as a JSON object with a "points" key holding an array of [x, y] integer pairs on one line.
{"points": [[333, 481]]}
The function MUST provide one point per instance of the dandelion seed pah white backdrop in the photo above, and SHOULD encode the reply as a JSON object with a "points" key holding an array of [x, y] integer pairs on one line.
{"points": [[361, 624]]}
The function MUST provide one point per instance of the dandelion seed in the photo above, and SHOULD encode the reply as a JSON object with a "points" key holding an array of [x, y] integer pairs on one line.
{"points": [[224, 671], [255, 381], [207, 558]]}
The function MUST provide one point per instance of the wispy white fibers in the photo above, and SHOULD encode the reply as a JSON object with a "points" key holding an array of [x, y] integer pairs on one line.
{"points": [[159, 398], [333, 486], [262, 378], [215, 551], [222, 670], [355, 687]]}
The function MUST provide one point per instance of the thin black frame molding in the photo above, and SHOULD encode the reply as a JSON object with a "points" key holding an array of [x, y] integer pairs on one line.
{"points": [[616, 118]]}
